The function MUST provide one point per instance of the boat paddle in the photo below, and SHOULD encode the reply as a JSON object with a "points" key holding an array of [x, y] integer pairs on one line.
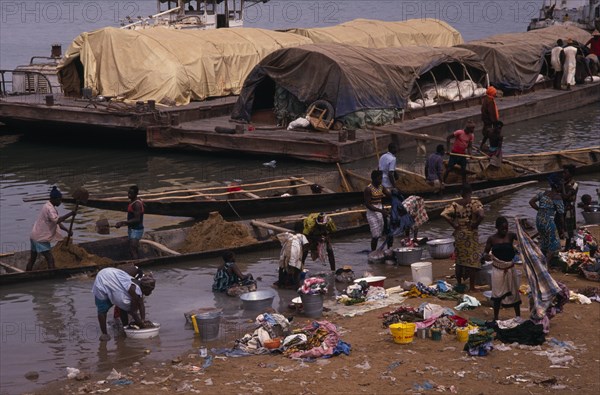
{"points": [[81, 195]]}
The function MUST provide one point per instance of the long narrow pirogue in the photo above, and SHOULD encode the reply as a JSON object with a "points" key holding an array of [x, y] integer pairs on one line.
{"points": [[296, 195], [114, 252]]}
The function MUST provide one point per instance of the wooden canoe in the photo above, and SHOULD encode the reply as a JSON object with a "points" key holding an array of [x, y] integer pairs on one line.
{"points": [[347, 221], [263, 198]]}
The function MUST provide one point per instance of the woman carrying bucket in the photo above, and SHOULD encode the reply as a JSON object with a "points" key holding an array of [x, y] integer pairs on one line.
{"points": [[464, 216], [500, 249]]}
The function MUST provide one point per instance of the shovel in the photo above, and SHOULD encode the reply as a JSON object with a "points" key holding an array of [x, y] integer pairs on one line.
{"points": [[81, 195]]}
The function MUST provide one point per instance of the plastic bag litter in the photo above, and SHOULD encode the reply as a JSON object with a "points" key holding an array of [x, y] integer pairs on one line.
{"points": [[72, 373], [113, 375], [364, 366]]}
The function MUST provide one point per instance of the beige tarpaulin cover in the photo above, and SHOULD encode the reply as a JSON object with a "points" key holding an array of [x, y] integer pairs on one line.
{"points": [[169, 66], [380, 34]]}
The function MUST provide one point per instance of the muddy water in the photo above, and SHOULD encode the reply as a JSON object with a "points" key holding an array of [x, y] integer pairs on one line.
{"points": [[47, 326]]}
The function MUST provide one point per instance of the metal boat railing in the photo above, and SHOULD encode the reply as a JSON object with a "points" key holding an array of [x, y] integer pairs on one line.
{"points": [[20, 82]]}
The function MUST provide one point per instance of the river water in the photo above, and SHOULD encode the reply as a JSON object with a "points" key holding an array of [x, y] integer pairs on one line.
{"points": [[49, 325]]}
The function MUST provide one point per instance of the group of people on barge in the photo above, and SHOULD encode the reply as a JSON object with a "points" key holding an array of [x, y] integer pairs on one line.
{"points": [[573, 62]]}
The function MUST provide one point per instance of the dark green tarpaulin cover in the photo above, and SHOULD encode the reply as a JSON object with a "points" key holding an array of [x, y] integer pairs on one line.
{"points": [[514, 60], [351, 78]]}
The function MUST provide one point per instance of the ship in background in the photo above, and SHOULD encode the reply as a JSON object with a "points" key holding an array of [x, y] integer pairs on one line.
{"points": [[194, 14], [584, 14]]}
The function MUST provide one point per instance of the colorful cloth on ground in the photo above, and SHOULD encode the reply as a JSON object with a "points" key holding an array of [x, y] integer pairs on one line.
{"points": [[323, 339], [544, 222], [45, 228], [375, 220], [479, 344], [544, 288], [468, 303], [505, 283], [466, 239], [415, 205]]}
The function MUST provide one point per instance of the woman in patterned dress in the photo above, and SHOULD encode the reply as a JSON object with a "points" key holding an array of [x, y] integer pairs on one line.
{"points": [[464, 216], [548, 204]]}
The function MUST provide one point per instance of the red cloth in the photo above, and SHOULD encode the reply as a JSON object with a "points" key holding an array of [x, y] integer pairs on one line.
{"points": [[459, 321]]}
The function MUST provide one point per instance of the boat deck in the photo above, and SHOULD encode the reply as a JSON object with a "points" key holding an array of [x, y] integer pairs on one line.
{"points": [[24, 110], [330, 147]]}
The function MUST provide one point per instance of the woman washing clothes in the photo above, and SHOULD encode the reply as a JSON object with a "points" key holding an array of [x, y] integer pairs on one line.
{"points": [[464, 216], [548, 204], [230, 279], [500, 249]]}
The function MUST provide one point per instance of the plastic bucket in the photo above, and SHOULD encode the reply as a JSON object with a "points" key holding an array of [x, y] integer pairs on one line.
{"points": [[422, 272], [436, 334], [403, 332], [312, 305], [207, 324], [462, 334]]}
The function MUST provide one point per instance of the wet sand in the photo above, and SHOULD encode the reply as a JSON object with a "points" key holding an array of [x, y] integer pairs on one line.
{"points": [[376, 364]]}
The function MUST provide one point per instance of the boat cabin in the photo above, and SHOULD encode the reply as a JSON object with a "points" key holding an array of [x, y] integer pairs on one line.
{"points": [[584, 14], [193, 14], [37, 77]]}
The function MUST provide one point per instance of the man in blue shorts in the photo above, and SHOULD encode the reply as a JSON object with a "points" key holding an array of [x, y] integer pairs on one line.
{"points": [[135, 221]]}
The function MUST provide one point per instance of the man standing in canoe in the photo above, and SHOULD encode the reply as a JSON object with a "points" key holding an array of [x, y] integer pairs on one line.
{"points": [[387, 165], [463, 143], [494, 151], [135, 221], [489, 111], [45, 230]]}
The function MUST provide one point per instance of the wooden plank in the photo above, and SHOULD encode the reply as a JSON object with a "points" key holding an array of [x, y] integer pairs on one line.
{"points": [[569, 157], [11, 268], [159, 246], [260, 224], [344, 181], [417, 136]]}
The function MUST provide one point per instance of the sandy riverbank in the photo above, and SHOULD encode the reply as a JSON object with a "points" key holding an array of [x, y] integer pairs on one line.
{"points": [[392, 368]]}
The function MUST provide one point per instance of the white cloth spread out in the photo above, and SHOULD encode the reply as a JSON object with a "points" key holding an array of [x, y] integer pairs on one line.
{"points": [[46, 228], [113, 284], [291, 249]]}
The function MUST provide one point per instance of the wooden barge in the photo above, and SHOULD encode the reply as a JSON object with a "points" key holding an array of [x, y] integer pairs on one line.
{"points": [[344, 147]]}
